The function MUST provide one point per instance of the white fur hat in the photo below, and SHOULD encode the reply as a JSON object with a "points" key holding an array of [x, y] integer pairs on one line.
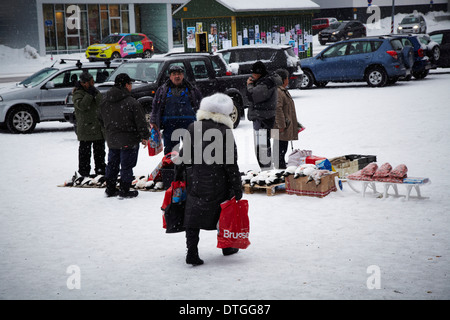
{"points": [[217, 103]]}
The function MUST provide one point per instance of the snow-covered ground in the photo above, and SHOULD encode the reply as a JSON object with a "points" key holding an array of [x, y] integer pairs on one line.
{"points": [[302, 247]]}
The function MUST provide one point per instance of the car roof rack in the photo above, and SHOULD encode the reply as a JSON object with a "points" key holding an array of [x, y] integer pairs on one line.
{"points": [[78, 64]]}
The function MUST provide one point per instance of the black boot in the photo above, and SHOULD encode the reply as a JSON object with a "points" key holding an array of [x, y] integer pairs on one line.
{"points": [[192, 239], [111, 189], [229, 251], [125, 190]]}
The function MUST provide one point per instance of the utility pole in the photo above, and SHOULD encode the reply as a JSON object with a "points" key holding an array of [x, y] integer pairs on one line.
{"points": [[393, 13]]}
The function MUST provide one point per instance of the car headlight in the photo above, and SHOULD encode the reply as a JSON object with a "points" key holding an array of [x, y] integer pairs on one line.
{"points": [[105, 48], [335, 33], [400, 28], [416, 27]]}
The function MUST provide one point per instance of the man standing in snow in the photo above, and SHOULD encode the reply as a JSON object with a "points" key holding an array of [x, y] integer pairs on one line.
{"points": [[86, 100], [124, 121], [174, 105], [262, 95]]}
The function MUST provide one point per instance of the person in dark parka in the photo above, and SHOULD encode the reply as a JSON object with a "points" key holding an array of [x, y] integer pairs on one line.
{"points": [[215, 177], [86, 101], [123, 118], [262, 95]]}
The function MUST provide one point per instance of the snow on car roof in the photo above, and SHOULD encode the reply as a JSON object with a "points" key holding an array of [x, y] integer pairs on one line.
{"points": [[263, 5]]}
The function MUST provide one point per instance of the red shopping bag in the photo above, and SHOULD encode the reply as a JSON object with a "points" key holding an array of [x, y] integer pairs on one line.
{"points": [[234, 225], [173, 207]]}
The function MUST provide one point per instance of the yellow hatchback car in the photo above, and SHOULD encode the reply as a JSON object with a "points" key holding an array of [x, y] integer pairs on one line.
{"points": [[123, 45]]}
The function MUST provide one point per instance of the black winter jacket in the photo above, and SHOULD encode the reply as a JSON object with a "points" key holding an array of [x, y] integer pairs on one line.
{"points": [[123, 118], [262, 96], [210, 184]]}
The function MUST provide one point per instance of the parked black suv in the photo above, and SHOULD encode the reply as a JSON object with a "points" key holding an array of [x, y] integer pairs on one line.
{"points": [[442, 37], [206, 71], [273, 56], [342, 31]]}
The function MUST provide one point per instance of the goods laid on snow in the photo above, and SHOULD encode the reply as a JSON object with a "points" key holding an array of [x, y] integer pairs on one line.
{"points": [[303, 186], [351, 163], [371, 175]]}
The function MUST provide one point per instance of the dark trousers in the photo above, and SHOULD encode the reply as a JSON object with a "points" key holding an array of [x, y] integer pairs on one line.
{"points": [[192, 239], [123, 161], [84, 157], [280, 149]]}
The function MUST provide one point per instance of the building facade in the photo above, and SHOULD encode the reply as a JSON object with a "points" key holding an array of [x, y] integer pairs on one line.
{"points": [[357, 9], [210, 25], [64, 26]]}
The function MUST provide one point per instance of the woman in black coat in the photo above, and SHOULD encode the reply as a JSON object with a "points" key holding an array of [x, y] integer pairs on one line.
{"points": [[213, 175]]}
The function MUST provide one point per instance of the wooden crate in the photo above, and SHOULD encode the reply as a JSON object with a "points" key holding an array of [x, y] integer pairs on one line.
{"points": [[270, 190]]}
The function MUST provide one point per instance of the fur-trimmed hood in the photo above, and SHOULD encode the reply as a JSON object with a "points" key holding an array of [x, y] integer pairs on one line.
{"points": [[216, 117]]}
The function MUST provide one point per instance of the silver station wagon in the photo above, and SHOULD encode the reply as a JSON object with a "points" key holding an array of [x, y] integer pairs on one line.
{"points": [[41, 97]]}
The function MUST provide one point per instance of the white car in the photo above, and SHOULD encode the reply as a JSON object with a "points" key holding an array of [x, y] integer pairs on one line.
{"points": [[41, 97], [413, 23]]}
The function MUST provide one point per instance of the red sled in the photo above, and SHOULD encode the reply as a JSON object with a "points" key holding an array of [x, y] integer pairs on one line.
{"points": [[234, 225]]}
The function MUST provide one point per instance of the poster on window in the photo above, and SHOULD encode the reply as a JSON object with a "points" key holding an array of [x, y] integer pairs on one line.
{"points": [[190, 39]]}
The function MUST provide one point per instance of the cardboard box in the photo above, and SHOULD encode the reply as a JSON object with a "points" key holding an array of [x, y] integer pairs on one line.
{"points": [[302, 187], [351, 163]]}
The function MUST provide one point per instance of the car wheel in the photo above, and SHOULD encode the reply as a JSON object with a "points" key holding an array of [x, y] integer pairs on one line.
{"points": [[321, 84], [376, 77], [235, 116], [421, 74], [436, 54], [115, 55], [21, 120], [307, 80], [148, 54]]}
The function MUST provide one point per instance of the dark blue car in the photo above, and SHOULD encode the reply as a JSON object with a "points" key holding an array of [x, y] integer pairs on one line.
{"points": [[422, 63], [377, 60]]}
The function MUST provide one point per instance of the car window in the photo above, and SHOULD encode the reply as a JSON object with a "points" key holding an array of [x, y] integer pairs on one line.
{"points": [[437, 37], [139, 71], [245, 55], [397, 44], [218, 65], [409, 20], [266, 54], [37, 77], [359, 47], [111, 39], [101, 74], [127, 38], [226, 56], [67, 79], [407, 42], [375, 45], [136, 38], [423, 40], [335, 51], [199, 69]]}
